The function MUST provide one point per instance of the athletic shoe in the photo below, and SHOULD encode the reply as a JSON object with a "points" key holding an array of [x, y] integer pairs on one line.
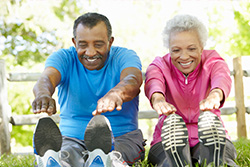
{"points": [[97, 158], [99, 141], [115, 160], [47, 142], [212, 136], [98, 134], [174, 137]]}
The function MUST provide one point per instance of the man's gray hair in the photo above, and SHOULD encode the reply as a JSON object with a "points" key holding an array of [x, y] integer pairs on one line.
{"points": [[182, 23]]}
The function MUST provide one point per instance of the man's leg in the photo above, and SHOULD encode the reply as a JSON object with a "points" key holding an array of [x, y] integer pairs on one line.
{"points": [[131, 146], [73, 152]]}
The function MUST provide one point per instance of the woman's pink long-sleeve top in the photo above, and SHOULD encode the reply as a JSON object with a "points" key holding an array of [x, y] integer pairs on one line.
{"points": [[185, 93]]}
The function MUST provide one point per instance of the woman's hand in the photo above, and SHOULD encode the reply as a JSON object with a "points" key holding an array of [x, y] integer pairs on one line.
{"points": [[160, 105], [213, 101]]}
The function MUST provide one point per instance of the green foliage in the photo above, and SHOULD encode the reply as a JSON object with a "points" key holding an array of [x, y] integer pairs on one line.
{"points": [[68, 8], [22, 38], [243, 151], [230, 37], [19, 96], [22, 135], [24, 43], [241, 39], [17, 160]]}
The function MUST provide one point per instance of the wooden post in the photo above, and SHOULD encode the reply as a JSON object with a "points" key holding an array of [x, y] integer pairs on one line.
{"points": [[239, 98], [4, 119]]}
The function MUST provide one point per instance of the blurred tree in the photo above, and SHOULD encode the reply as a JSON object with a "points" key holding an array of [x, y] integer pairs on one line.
{"points": [[241, 39], [20, 37], [68, 9], [25, 41], [230, 37]]}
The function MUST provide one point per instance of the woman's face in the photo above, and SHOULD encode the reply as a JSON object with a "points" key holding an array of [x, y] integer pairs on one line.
{"points": [[185, 49]]}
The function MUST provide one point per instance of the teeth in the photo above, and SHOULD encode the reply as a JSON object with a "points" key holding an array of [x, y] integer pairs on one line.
{"points": [[91, 60], [185, 64]]}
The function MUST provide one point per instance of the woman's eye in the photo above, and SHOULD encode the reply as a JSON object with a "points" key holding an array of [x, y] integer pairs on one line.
{"points": [[192, 49], [175, 50]]}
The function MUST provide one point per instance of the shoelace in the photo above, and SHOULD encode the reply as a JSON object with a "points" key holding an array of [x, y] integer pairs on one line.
{"points": [[63, 152], [117, 160], [118, 155], [85, 155]]}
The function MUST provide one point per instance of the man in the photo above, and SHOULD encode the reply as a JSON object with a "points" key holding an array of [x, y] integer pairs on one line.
{"points": [[93, 78]]}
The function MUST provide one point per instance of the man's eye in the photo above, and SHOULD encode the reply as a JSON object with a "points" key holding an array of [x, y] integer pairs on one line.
{"points": [[82, 45], [98, 45]]}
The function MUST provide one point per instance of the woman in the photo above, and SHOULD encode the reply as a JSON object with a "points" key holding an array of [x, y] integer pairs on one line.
{"points": [[187, 87]]}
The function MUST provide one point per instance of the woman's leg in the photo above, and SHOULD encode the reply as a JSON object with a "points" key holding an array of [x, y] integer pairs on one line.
{"points": [[157, 156]]}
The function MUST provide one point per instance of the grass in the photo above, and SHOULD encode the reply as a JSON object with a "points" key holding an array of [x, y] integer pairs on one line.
{"points": [[17, 160], [242, 146]]}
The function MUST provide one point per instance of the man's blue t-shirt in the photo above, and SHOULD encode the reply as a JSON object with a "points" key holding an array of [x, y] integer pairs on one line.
{"points": [[80, 89]]}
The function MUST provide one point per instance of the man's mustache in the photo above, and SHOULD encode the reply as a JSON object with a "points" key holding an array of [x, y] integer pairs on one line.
{"points": [[94, 57]]}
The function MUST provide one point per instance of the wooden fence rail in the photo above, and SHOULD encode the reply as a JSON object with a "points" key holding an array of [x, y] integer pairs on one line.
{"points": [[19, 120]]}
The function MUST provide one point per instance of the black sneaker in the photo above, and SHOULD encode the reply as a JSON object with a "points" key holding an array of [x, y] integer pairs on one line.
{"points": [[47, 136], [212, 136], [47, 141], [98, 134], [174, 137]]}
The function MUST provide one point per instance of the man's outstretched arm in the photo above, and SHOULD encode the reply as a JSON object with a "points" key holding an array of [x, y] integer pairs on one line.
{"points": [[43, 91], [127, 89]]}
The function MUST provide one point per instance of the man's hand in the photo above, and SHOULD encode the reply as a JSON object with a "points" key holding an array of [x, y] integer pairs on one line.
{"points": [[127, 89], [43, 91], [160, 105], [44, 103], [109, 102], [213, 101]]}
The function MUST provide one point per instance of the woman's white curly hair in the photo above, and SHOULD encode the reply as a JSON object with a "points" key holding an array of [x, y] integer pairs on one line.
{"points": [[182, 23]]}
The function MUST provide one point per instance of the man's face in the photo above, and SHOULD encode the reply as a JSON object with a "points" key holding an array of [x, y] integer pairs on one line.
{"points": [[92, 45]]}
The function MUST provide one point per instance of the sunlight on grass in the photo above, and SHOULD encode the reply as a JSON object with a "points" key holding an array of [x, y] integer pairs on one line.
{"points": [[242, 146], [17, 160]]}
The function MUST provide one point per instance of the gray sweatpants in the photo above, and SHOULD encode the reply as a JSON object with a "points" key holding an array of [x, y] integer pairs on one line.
{"points": [[158, 157], [130, 145]]}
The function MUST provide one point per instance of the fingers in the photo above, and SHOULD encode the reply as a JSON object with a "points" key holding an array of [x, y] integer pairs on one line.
{"points": [[164, 108], [51, 109], [44, 104], [209, 104], [108, 103]]}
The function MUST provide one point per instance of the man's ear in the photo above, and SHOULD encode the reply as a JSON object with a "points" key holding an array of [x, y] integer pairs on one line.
{"points": [[111, 41], [74, 41]]}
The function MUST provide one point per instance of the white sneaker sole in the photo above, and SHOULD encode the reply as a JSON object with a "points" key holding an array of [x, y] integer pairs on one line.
{"points": [[213, 136], [174, 139]]}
